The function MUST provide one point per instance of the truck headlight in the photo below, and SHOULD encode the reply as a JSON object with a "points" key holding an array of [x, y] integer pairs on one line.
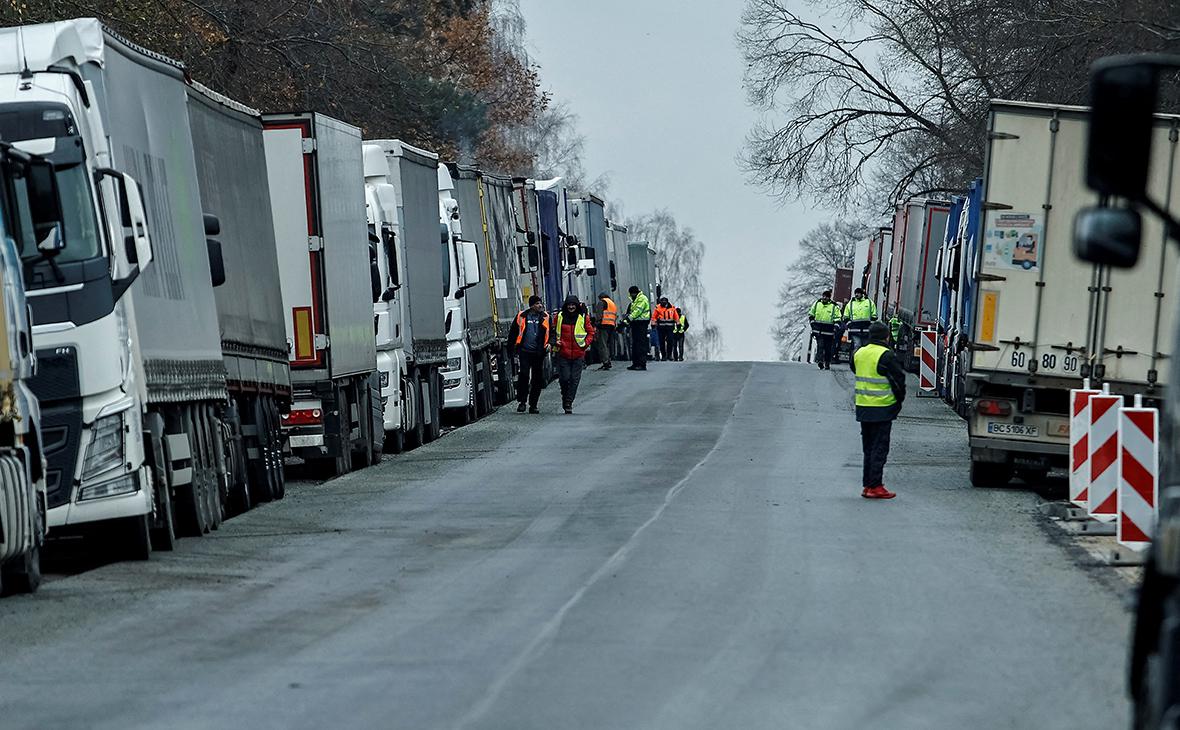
{"points": [[105, 451], [454, 363], [127, 484]]}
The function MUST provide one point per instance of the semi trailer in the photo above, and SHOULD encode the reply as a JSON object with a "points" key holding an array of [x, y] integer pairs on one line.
{"points": [[32, 231], [918, 228], [132, 437], [317, 199], [1041, 319], [230, 155]]}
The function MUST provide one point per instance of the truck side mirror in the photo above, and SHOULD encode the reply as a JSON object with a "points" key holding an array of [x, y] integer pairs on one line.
{"points": [[1118, 153], [389, 240], [614, 277], [133, 218], [216, 262], [530, 237], [213, 246], [45, 204], [1109, 236], [530, 258], [470, 256]]}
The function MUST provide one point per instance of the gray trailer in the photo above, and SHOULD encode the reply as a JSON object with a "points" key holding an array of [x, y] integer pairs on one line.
{"points": [[414, 174], [317, 196], [231, 171]]}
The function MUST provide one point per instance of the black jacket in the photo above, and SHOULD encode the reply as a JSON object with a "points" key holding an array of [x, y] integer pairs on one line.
{"points": [[888, 367]]}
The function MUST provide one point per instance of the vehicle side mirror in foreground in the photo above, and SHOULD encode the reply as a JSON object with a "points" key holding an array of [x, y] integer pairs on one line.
{"points": [[1108, 236], [1123, 98]]}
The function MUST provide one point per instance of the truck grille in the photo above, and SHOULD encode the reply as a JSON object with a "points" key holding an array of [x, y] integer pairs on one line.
{"points": [[58, 389]]}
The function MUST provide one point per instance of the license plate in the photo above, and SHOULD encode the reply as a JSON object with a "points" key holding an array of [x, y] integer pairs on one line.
{"points": [[1012, 429], [303, 442]]}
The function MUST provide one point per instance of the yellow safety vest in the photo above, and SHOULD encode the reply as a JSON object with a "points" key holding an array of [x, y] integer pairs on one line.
{"points": [[872, 390], [678, 328], [580, 333], [860, 310], [825, 313]]}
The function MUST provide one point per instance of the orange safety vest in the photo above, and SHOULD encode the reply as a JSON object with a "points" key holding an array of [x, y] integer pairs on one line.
{"points": [[610, 312], [664, 314], [544, 328]]}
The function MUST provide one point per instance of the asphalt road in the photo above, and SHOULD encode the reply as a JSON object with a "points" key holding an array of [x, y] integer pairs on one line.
{"points": [[690, 550]]}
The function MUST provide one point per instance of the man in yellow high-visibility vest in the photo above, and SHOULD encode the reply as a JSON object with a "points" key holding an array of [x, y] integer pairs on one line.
{"points": [[880, 391], [859, 313], [824, 315]]}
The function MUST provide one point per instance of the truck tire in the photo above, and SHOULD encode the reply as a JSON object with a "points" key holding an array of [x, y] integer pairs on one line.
{"points": [[210, 433], [23, 574], [276, 472], [395, 441], [430, 430], [189, 504], [413, 413], [986, 475], [132, 537], [164, 536], [258, 471], [364, 456]]}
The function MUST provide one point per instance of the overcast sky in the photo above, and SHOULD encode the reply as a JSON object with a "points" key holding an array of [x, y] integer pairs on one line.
{"points": [[657, 85]]}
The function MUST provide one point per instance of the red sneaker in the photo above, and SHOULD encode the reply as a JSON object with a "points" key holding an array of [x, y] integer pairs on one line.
{"points": [[867, 492], [879, 493]]}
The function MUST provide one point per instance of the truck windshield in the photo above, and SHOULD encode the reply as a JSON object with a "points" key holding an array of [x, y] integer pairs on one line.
{"points": [[57, 137]]}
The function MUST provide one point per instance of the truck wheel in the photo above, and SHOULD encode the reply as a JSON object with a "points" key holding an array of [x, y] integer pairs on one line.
{"points": [[133, 538], [415, 436], [22, 575], [363, 456], [395, 441], [258, 471], [434, 383], [164, 536], [986, 475]]}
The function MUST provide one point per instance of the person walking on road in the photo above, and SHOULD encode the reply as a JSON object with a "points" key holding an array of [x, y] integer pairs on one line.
{"points": [[880, 391], [858, 315], [608, 317], [637, 319], [678, 335], [824, 315], [664, 318], [529, 336], [573, 334]]}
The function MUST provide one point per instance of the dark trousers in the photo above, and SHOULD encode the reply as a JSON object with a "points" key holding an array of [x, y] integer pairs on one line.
{"points": [[824, 346], [640, 344], [874, 440], [666, 337], [530, 381], [678, 346], [569, 374], [604, 341]]}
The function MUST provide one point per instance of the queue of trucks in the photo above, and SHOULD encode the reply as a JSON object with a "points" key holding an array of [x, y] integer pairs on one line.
{"points": [[1019, 320], [212, 290]]}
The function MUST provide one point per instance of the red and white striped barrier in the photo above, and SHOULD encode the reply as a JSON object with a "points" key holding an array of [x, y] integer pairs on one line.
{"points": [[1079, 444], [926, 368], [1102, 497], [1138, 471]]}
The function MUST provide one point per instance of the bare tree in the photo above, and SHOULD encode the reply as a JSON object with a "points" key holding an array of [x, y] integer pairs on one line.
{"points": [[824, 249], [893, 99], [679, 255]]}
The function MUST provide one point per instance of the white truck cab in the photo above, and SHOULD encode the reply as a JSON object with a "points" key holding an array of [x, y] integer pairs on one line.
{"points": [[388, 309], [463, 261]]}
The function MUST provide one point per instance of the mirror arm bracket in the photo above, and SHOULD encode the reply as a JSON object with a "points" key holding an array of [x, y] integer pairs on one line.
{"points": [[1170, 223]]}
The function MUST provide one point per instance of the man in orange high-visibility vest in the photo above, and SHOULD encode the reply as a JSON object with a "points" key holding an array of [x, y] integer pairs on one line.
{"points": [[608, 318]]}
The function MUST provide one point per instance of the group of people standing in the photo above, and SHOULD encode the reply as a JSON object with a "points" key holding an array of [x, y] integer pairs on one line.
{"points": [[829, 319], [880, 379], [571, 333]]}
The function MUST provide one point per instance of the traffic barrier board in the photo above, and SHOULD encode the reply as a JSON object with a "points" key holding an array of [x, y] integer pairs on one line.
{"points": [[1103, 438], [1138, 470], [1079, 445], [926, 368]]}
